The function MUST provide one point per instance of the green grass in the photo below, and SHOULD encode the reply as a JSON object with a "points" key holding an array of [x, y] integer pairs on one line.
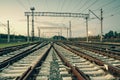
{"points": [[2, 45]]}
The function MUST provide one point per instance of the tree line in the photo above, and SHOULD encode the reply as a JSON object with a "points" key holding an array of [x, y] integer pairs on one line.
{"points": [[112, 34], [13, 38]]}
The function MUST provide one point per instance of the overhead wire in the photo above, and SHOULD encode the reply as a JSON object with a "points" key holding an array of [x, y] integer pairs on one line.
{"points": [[116, 8], [81, 1], [58, 5], [90, 5], [105, 5], [76, 5], [62, 5], [115, 11], [3, 24], [87, 1], [46, 4], [21, 4], [29, 3], [68, 5]]}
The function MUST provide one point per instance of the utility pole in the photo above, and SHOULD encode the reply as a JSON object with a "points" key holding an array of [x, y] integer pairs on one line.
{"points": [[86, 28], [101, 21], [70, 32], [28, 38], [101, 38], [67, 33], [8, 32], [14, 37], [39, 32], [32, 9], [61, 31], [61, 34]]}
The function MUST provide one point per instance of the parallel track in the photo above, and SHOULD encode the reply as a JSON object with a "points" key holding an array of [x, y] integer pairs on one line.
{"points": [[60, 62], [7, 50], [110, 67], [16, 68], [89, 68]]}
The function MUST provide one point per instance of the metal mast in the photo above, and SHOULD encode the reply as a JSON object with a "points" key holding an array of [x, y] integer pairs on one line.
{"points": [[70, 32], [87, 28], [32, 9], [28, 39], [101, 38], [101, 21], [8, 32]]}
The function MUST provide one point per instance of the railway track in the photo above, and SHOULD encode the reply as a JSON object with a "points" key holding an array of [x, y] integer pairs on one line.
{"points": [[110, 58], [6, 50], [19, 63], [58, 62], [48, 67], [53, 68], [12, 54], [110, 64], [92, 70], [110, 48]]}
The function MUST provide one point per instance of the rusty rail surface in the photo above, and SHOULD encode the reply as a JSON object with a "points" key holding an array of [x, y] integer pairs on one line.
{"points": [[96, 50], [79, 74], [19, 56], [112, 69], [28, 74], [7, 50]]}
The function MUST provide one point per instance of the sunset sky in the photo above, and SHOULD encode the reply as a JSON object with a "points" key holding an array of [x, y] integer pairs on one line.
{"points": [[13, 10]]}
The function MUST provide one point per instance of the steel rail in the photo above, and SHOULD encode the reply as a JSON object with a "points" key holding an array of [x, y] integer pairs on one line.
{"points": [[32, 69], [79, 74], [19, 56], [100, 51], [112, 69], [7, 50]]}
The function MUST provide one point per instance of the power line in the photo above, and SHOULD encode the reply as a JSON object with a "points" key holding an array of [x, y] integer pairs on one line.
{"points": [[46, 4], [3, 24], [83, 5], [90, 5], [105, 5], [68, 4], [76, 5], [116, 13], [21, 4], [58, 5], [62, 5], [29, 3], [115, 8]]}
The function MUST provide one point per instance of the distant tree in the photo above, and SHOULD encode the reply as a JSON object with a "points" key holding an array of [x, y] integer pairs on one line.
{"points": [[112, 34], [59, 38], [118, 35], [115, 34]]}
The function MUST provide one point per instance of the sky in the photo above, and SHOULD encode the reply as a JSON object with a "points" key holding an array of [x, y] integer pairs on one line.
{"points": [[13, 10]]}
